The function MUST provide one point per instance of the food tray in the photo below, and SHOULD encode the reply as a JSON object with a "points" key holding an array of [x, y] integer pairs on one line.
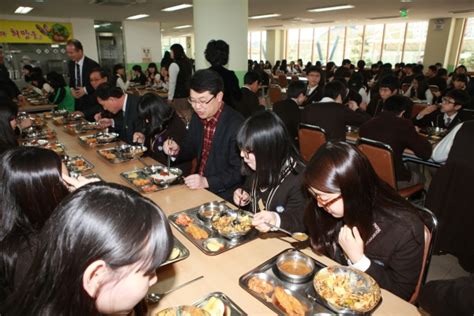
{"points": [[304, 292], [77, 164], [183, 253], [213, 235], [60, 120], [85, 140], [81, 128], [145, 175], [114, 155], [44, 143], [38, 133]]}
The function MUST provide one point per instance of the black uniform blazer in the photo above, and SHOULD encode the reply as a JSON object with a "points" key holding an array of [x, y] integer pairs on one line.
{"points": [[315, 96], [87, 67], [290, 114], [129, 123], [223, 164], [436, 118], [249, 103]]}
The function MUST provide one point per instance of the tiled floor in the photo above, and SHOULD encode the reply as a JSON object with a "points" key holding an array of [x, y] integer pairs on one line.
{"points": [[445, 267]]}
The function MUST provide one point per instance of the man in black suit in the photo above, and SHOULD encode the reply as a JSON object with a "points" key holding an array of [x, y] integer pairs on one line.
{"points": [[249, 103], [80, 67], [288, 110], [333, 116], [315, 87], [7, 87], [211, 138], [125, 109], [449, 115]]}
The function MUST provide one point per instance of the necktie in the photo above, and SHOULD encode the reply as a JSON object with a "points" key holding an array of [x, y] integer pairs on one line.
{"points": [[448, 121], [78, 76]]}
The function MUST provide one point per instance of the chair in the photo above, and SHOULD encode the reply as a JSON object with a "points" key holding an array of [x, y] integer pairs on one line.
{"points": [[431, 228], [380, 156], [417, 108], [282, 81], [274, 93], [310, 138]]}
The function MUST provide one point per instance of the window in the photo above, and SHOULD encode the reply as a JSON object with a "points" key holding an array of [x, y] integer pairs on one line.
{"points": [[337, 36], [306, 45], [167, 41], [354, 36], [257, 45], [320, 50], [415, 42], [393, 43], [292, 42], [373, 43], [466, 54]]}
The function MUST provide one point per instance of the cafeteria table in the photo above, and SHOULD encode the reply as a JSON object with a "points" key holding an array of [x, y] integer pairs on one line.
{"points": [[221, 272], [31, 108]]}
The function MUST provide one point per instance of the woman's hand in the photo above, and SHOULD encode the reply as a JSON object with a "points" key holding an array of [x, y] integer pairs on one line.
{"points": [[76, 183], [241, 197], [261, 218], [138, 138], [351, 243]]}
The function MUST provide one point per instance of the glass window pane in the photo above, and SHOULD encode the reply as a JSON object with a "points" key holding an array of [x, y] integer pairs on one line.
{"points": [[263, 45], [415, 42], [255, 46], [336, 44], [393, 43], [249, 35], [306, 42], [466, 55], [373, 43], [320, 44], [354, 42], [292, 45]]}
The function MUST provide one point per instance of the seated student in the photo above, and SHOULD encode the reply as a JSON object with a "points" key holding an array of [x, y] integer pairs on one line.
{"points": [[274, 172], [161, 122], [26, 72], [211, 138], [152, 75], [103, 243], [125, 109], [387, 87], [249, 102], [458, 82], [8, 124], [351, 94], [418, 90], [448, 115], [39, 84], [61, 94], [408, 75], [138, 76], [331, 115], [359, 220], [92, 110], [31, 186], [390, 127], [315, 86], [288, 110], [119, 78]]}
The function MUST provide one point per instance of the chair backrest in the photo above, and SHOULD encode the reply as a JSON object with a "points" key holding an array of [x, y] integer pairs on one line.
{"points": [[282, 81], [417, 108], [294, 78], [310, 138], [274, 93], [380, 156], [468, 114], [431, 227]]}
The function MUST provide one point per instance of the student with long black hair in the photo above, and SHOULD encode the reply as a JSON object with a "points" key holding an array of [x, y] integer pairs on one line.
{"points": [[357, 219], [274, 172], [8, 124], [180, 72], [61, 94], [98, 254]]}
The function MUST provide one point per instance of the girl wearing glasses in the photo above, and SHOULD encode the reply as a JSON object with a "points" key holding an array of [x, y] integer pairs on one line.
{"points": [[357, 219], [274, 174]]}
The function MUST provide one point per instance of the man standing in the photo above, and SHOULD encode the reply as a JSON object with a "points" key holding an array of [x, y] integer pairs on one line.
{"points": [[80, 67], [7, 87], [211, 138]]}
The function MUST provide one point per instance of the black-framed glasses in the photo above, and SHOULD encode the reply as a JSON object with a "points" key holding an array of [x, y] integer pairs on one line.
{"points": [[191, 101], [448, 100]]}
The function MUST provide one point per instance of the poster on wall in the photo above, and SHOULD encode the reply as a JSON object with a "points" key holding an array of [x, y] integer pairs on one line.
{"points": [[34, 32], [146, 54]]}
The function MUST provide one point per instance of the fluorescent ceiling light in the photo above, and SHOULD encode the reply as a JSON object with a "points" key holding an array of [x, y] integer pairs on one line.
{"points": [[264, 16], [138, 16], [333, 8], [23, 10], [182, 27], [177, 7]]}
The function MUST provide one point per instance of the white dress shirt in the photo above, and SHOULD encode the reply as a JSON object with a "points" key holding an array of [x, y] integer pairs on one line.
{"points": [[441, 151], [173, 76]]}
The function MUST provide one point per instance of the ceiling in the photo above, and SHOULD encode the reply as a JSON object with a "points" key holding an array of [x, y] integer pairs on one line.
{"points": [[293, 13]]}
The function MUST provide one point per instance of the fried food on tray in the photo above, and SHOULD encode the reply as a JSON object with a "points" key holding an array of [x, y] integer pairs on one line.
{"points": [[288, 303], [141, 182], [108, 155], [91, 140], [261, 287], [150, 188], [184, 220], [197, 232]]}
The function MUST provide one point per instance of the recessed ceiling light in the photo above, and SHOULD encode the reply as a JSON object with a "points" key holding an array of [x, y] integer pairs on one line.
{"points": [[264, 16], [333, 8], [177, 7], [138, 16], [23, 10], [182, 27]]}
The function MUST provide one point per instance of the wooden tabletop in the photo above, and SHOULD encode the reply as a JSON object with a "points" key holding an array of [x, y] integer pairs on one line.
{"points": [[221, 272], [29, 107]]}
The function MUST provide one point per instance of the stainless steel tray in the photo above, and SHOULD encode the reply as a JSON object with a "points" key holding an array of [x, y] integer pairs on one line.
{"points": [[55, 146], [146, 173], [233, 308], [81, 127], [201, 243], [83, 141], [118, 158], [183, 253], [304, 292], [70, 163]]}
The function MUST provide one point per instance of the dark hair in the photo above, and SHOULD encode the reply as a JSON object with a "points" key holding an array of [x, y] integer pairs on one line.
{"points": [[442, 72], [105, 91], [114, 78], [295, 88], [461, 67], [342, 72], [265, 135], [153, 108], [346, 62], [252, 76], [334, 89], [460, 77], [178, 52], [422, 87], [397, 104], [460, 97], [56, 80], [338, 167], [152, 65], [100, 221], [76, 43], [38, 77], [102, 72], [361, 64], [217, 53], [166, 60], [207, 80], [28, 67], [137, 68], [390, 82], [433, 68], [356, 82], [319, 71], [31, 187], [8, 112]]}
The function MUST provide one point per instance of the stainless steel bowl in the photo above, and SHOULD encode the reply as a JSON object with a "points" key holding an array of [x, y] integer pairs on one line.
{"points": [[158, 180], [129, 151], [436, 131], [207, 211], [215, 244], [236, 218], [292, 258], [106, 137]]}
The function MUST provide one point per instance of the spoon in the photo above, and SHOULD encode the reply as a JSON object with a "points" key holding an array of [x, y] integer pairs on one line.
{"points": [[154, 298], [296, 236]]}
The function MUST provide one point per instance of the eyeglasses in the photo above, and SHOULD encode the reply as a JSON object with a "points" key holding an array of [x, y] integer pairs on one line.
{"points": [[196, 102], [448, 100], [325, 204]]}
